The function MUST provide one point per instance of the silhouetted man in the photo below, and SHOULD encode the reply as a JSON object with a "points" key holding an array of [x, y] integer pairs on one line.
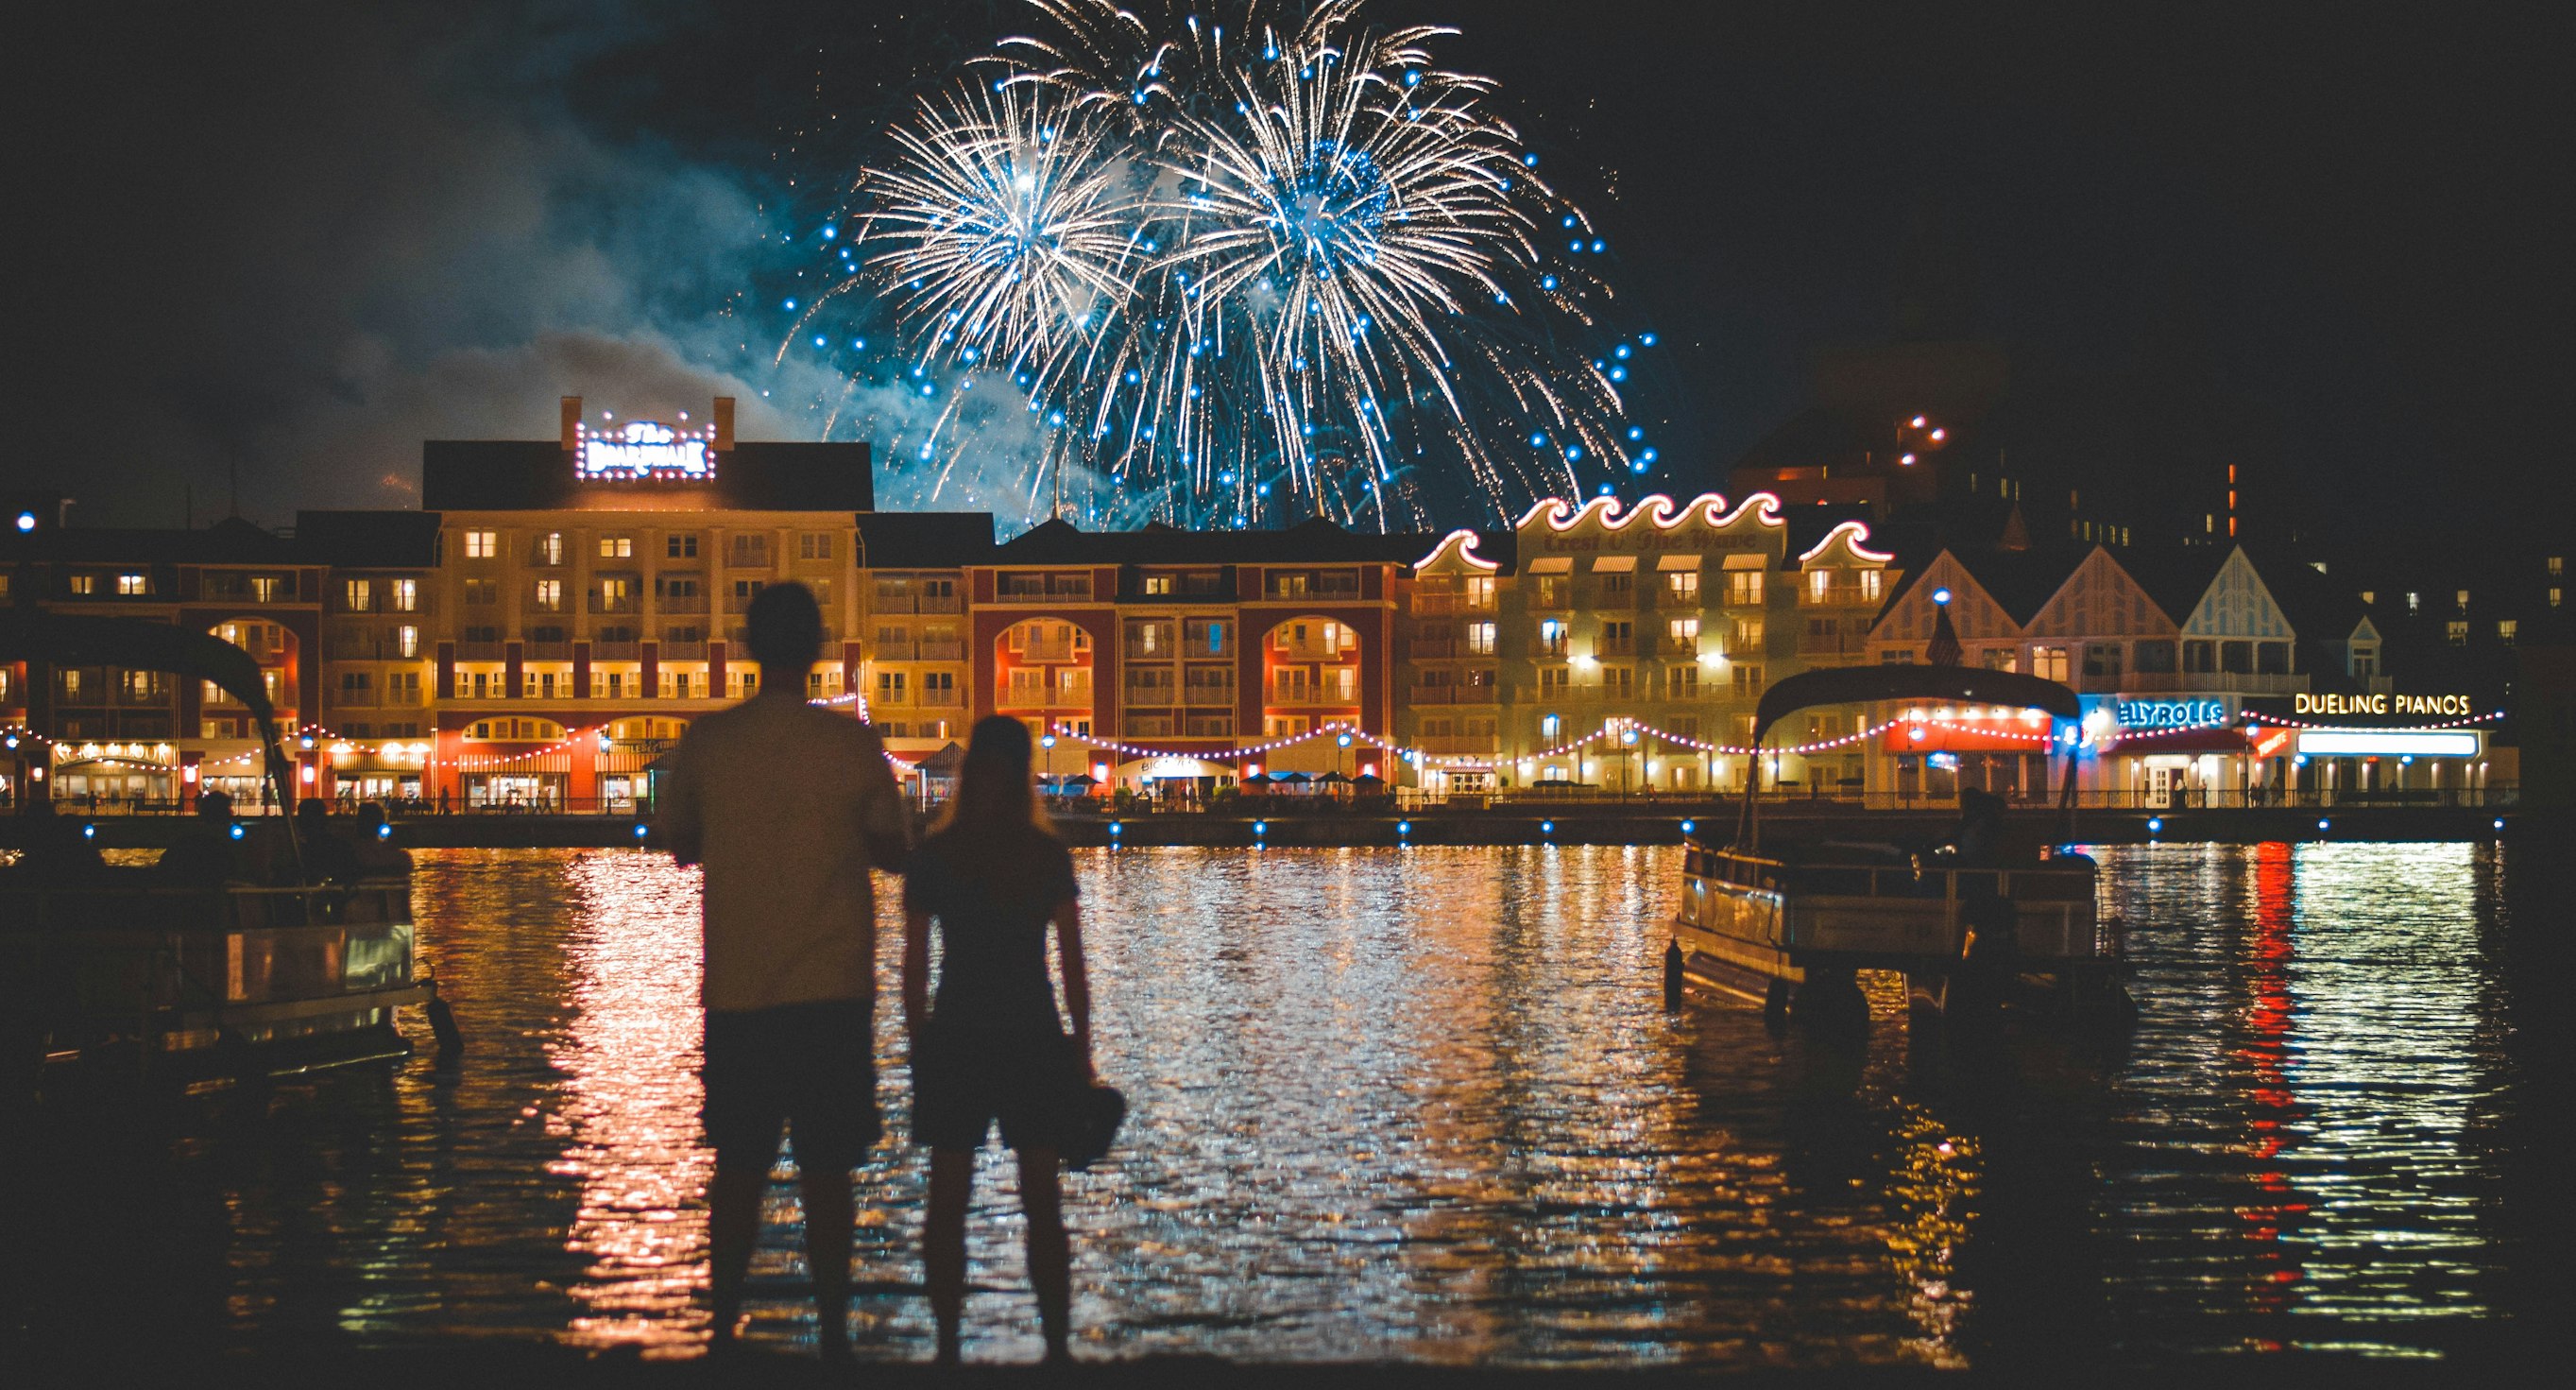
{"points": [[788, 805]]}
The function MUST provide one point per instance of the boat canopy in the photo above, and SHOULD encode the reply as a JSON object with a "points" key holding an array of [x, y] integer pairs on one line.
{"points": [[71, 639], [1847, 685]]}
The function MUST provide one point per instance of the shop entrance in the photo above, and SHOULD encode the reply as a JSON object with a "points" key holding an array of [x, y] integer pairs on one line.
{"points": [[2160, 785]]}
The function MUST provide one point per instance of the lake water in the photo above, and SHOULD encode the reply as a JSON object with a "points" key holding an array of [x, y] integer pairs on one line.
{"points": [[1410, 1104]]}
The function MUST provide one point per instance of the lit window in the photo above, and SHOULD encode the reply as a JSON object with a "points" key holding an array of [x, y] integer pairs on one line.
{"points": [[617, 547], [1480, 638], [1820, 585], [358, 595], [1158, 584], [2458, 631], [2555, 593], [84, 583], [2414, 603], [133, 585], [482, 545], [550, 595], [1871, 582], [407, 641], [267, 588], [2505, 630], [2369, 596], [550, 548], [2557, 565], [2464, 598], [405, 594], [1480, 590]]}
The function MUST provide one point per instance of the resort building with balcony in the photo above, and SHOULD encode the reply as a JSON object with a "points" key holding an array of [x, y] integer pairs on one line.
{"points": [[115, 740], [1661, 624]]}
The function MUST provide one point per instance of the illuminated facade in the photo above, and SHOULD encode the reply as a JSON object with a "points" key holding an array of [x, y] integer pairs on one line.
{"points": [[121, 740], [1662, 623], [2193, 676], [559, 611]]}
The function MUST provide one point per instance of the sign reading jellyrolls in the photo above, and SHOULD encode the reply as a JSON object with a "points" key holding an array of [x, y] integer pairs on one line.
{"points": [[2382, 703], [2169, 714]]}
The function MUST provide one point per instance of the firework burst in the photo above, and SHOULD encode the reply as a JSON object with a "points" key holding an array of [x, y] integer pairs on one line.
{"points": [[1248, 275]]}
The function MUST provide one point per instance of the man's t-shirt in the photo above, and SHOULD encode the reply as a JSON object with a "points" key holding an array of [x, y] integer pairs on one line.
{"points": [[993, 903], [781, 796]]}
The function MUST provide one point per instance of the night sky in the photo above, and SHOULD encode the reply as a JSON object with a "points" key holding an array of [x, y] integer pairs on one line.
{"points": [[284, 245]]}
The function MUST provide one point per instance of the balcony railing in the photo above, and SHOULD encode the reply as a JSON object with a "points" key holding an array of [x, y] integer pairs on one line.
{"points": [[1434, 648], [1208, 696], [2190, 683], [682, 651], [546, 651], [479, 651], [601, 603], [941, 603], [680, 604], [1310, 695], [616, 651], [947, 698], [345, 698], [1049, 651], [1460, 743]]}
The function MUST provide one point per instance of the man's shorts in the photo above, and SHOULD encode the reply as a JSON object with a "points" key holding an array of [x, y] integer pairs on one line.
{"points": [[808, 1067], [964, 1080]]}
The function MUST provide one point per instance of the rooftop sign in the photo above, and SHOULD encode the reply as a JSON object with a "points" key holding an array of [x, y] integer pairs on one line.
{"points": [[644, 451]]}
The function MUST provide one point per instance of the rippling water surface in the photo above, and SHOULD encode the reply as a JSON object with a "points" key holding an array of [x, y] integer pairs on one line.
{"points": [[1417, 1104]]}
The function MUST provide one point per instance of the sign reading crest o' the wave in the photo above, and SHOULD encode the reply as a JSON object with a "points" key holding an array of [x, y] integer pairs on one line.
{"points": [[645, 450]]}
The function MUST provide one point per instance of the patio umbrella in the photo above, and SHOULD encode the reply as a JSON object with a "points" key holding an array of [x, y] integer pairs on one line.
{"points": [[1297, 777], [1368, 779], [1081, 780], [1258, 779], [1333, 778]]}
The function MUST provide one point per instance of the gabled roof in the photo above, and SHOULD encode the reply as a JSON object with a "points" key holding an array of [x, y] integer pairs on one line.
{"points": [[2023, 581], [2177, 577], [2318, 607]]}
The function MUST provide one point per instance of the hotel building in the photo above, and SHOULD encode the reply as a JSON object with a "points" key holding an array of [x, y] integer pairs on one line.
{"points": [[558, 611], [1661, 622]]}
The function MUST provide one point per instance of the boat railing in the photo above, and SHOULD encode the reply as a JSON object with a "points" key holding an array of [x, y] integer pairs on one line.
{"points": [[1893, 880]]}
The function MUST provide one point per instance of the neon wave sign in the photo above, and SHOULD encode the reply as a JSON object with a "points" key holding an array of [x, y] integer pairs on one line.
{"points": [[644, 450]]}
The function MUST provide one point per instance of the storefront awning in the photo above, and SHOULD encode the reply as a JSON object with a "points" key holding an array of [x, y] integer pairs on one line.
{"points": [[1551, 564], [2225, 740], [1614, 564]]}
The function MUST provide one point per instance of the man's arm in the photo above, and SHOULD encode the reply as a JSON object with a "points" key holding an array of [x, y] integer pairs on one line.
{"points": [[887, 829], [683, 833]]}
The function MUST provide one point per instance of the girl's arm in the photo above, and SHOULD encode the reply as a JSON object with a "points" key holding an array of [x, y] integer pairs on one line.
{"points": [[916, 972], [1077, 980]]}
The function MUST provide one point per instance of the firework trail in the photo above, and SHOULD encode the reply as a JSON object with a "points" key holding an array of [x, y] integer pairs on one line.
{"points": [[1241, 274]]}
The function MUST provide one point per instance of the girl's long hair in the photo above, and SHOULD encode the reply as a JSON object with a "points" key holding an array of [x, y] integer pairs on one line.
{"points": [[996, 793]]}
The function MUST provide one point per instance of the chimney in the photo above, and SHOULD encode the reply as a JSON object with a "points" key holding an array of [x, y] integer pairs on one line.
{"points": [[724, 424], [571, 423]]}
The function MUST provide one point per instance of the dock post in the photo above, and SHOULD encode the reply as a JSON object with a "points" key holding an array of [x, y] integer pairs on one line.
{"points": [[1673, 975]]}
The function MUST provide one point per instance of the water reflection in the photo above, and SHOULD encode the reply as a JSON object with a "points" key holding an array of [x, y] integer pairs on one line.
{"points": [[1417, 1104]]}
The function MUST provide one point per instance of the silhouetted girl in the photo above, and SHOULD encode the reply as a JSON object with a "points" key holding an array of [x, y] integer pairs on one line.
{"points": [[992, 1048]]}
